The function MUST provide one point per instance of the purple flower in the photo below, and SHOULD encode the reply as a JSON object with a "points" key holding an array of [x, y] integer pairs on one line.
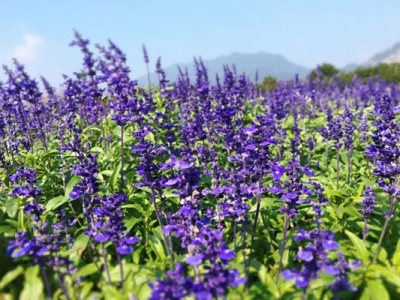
{"points": [[194, 260]]}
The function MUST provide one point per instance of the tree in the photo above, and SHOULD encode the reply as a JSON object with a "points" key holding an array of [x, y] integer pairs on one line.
{"points": [[269, 84], [387, 72], [328, 71]]}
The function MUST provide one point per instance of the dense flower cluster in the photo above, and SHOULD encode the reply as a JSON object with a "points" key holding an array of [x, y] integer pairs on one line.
{"points": [[208, 179]]}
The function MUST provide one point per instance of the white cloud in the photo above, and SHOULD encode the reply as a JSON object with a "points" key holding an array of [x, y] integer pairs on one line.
{"points": [[29, 50]]}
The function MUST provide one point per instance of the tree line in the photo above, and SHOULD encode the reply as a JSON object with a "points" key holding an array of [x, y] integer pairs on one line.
{"points": [[328, 72]]}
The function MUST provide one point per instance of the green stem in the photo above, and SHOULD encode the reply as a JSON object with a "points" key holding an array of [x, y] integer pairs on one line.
{"points": [[104, 254], [283, 245], [385, 227], [337, 169], [348, 167]]}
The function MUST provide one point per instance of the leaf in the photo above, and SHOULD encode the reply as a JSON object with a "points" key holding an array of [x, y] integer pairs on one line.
{"points": [[143, 291], [377, 290], [114, 177], [112, 293], [360, 247], [33, 286], [86, 287], [107, 172], [73, 181], [10, 276], [92, 127], [268, 281], [350, 210], [79, 246], [265, 202], [51, 153], [12, 207], [117, 131], [396, 258], [387, 273], [7, 229], [130, 223], [87, 270], [98, 150], [21, 220], [138, 207], [158, 247], [56, 202]]}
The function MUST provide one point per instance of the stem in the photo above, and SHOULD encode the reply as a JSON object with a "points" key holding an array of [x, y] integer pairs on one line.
{"points": [[26, 123], [385, 227], [121, 271], [366, 157], [46, 282], [247, 267], [326, 154], [148, 78], [234, 235], [104, 255], [61, 283], [283, 245], [337, 168], [348, 167], [268, 233], [365, 232], [104, 136], [122, 158], [153, 197], [43, 136]]}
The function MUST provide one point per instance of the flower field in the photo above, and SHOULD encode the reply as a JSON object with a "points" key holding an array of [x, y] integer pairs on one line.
{"points": [[193, 190]]}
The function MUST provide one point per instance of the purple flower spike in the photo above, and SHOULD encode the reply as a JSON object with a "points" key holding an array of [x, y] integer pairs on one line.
{"points": [[194, 260], [305, 255], [227, 254], [330, 245]]}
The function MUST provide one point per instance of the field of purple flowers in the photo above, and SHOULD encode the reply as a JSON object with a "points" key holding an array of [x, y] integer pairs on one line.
{"points": [[187, 190]]}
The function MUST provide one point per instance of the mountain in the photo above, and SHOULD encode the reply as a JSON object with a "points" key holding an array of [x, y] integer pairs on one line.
{"points": [[267, 65], [389, 56]]}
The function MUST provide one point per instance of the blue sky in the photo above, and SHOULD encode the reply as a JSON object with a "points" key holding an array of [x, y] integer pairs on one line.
{"points": [[307, 32]]}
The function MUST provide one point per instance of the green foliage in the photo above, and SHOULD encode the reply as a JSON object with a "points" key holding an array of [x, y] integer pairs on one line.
{"points": [[328, 71], [387, 72], [269, 84]]}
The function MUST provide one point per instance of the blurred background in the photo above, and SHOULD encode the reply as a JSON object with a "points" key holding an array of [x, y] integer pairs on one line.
{"points": [[277, 38]]}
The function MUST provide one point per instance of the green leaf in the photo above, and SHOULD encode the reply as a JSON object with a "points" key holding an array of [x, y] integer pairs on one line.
{"points": [[92, 127], [360, 247], [350, 210], [387, 273], [7, 229], [396, 258], [131, 222], [143, 291], [98, 150], [56, 202], [51, 153], [86, 287], [112, 293], [33, 286], [88, 270], [265, 203], [10, 276], [114, 177], [12, 207], [107, 172], [158, 247], [73, 181], [377, 290], [79, 246], [117, 131]]}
